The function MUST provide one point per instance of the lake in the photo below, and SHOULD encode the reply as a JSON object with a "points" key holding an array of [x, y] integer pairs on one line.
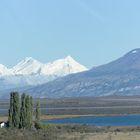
{"points": [[127, 120]]}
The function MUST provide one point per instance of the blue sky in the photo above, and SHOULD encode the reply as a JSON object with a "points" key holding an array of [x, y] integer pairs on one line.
{"points": [[93, 32]]}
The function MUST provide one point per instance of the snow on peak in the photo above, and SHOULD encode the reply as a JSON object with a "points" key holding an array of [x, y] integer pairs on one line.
{"points": [[30, 66], [69, 58], [60, 67], [29, 59], [27, 66], [4, 70], [135, 51]]}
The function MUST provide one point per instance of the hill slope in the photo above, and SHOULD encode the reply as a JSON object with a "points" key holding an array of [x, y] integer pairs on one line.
{"points": [[120, 77]]}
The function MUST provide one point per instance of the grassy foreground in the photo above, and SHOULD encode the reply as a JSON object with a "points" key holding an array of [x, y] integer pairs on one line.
{"points": [[72, 132], [103, 136], [23, 135]]}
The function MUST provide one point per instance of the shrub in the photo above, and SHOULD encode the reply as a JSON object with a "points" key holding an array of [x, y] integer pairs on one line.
{"points": [[44, 126]]}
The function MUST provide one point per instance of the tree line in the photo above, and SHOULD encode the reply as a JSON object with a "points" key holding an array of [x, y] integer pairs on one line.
{"points": [[21, 113]]}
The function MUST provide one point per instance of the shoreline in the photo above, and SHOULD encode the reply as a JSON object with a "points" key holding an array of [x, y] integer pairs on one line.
{"points": [[54, 117]]}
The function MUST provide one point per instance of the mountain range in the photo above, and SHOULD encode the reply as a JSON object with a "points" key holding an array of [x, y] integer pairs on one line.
{"points": [[68, 78], [31, 72], [120, 77]]}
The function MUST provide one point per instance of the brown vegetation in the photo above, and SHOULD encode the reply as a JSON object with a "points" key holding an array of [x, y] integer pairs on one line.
{"points": [[71, 132]]}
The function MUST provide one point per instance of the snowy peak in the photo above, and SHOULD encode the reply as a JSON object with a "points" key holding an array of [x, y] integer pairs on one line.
{"points": [[64, 67], [27, 66], [69, 58], [73, 65], [4, 70], [60, 67]]}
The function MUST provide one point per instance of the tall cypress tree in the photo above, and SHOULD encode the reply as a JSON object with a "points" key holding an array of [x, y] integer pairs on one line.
{"points": [[31, 115], [20, 117], [10, 116], [37, 112], [14, 111], [23, 111], [28, 112]]}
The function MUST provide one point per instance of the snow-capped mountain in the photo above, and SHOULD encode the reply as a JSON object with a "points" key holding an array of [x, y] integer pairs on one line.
{"points": [[31, 72], [59, 67], [30, 66], [63, 67], [4, 70], [27, 66]]}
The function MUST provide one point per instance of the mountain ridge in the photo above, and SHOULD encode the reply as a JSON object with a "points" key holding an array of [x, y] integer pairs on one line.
{"points": [[30, 65], [120, 77], [31, 72]]}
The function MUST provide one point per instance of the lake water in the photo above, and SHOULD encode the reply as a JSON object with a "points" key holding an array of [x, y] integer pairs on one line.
{"points": [[125, 120], [128, 120]]}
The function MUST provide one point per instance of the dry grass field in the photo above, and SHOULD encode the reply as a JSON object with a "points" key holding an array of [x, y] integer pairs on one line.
{"points": [[43, 135], [102, 136]]}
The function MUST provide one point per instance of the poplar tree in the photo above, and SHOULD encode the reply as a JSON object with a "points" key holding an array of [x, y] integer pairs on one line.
{"points": [[37, 112], [14, 110], [28, 112], [10, 116], [23, 111], [31, 103], [20, 117]]}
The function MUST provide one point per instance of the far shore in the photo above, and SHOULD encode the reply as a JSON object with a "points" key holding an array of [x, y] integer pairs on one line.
{"points": [[53, 117]]}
